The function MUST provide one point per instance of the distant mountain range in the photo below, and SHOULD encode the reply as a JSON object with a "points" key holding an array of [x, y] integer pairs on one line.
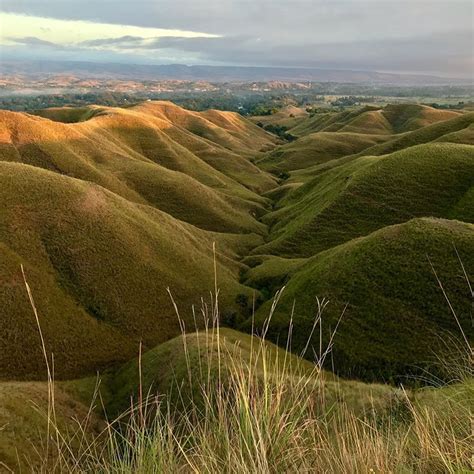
{"points": [[216, 73]]}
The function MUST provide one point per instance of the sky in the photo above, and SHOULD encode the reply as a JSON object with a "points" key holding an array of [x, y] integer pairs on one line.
{"points": [[411, 36]]}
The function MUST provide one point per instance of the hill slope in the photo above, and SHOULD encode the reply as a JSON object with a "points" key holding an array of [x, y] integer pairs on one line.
{"points": [[99, 266], [140, 154], [288, 117], [396, 317], [371, 192], [374, 120], [317, 148], [165, 369], [459, 129], [107, 207]]}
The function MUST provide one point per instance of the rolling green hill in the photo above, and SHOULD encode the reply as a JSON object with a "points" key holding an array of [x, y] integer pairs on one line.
{"points": [[165, 369], [371, 192], [317, 148], [139, 156], [23, 418], [288, 117], [390, 119], [99, 266], [107, 207], [459, 129], [334, 143], [396, 316]]}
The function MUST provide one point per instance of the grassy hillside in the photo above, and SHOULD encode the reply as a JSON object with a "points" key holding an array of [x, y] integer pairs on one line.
{"points": [[24, 426], [317, 148], [459, 129], [396, 316], [315, 152], [288, 117], [371, 192], [166, 367], [189, 367], [390, 119], [99, 266], [224, 140], [107, 207], [227, 129], [265, 396], [140, 156]]}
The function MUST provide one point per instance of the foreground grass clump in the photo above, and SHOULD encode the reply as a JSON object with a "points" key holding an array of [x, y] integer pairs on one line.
{"points": [[263, 418], [233, 403]]}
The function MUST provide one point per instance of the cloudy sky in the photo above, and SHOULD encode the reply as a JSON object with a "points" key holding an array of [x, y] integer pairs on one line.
{"points": [[422, 36]]}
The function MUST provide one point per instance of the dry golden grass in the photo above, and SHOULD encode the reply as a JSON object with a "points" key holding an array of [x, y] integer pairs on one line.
{"points": [[128, 150], [258, 409]]}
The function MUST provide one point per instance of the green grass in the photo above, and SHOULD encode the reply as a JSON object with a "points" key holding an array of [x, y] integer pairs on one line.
{"points": [[459, 130], [396, 315], [100, 266], [391, 119], [455, 130], [369, 193], [166, 368], [317, 148], [288, 117], [136, 155], [104, 255], [105, 208], [89, 249], [269, 273], [329, 121], [102, 249], [24, 425]]}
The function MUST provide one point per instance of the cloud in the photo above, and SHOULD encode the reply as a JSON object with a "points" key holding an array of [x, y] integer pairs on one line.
{"points": [[121, 41], [441, 53], [331, 19], [33, 41], [405, 35], [69, 32]]}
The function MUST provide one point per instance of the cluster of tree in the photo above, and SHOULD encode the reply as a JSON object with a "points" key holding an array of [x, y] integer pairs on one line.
{"points": [[279, 130], [460, 105], [248, 104], [264, 110], [27, 102], [242, 100], [385, 90], [312, 110], [349, 101]]}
